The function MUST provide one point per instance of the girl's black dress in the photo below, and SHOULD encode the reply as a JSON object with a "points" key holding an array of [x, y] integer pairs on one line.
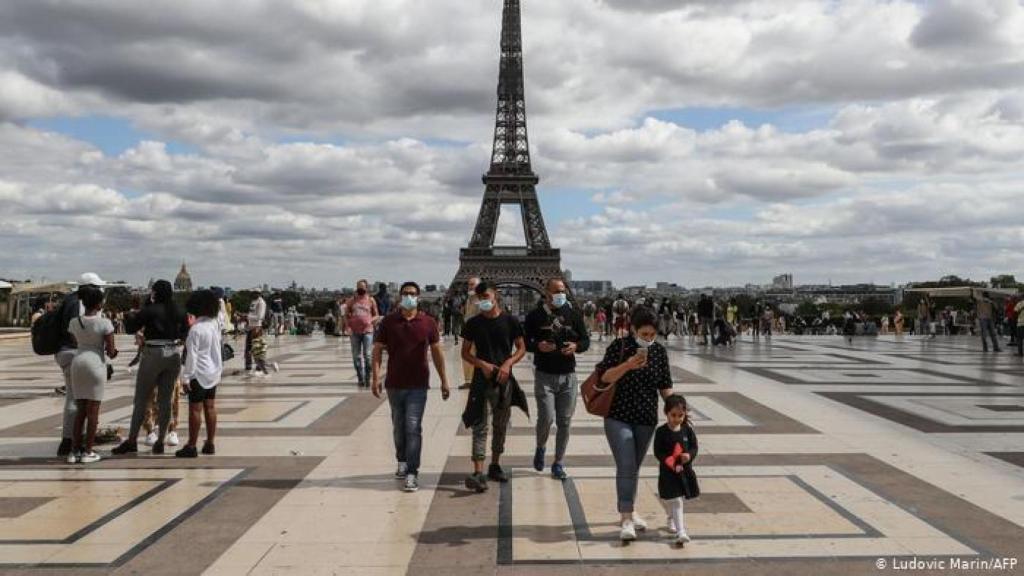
{"points": [[672, 484]]}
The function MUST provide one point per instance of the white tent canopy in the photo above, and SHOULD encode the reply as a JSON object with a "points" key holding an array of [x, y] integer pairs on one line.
{"points": [[5, 285], [965, 292]]}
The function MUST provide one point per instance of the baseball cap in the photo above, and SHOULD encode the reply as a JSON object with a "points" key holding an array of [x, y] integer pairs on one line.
{"points": [[91, 279]]}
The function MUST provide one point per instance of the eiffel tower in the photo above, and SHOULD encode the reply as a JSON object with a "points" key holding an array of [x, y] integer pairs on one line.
{"points": [[510, 180]]}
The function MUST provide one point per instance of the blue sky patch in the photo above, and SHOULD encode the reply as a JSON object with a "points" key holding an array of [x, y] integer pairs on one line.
{"points": [[110, 134], [793, 119]]}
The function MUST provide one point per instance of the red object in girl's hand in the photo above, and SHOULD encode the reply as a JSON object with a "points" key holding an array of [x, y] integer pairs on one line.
{"points": [[670, 461]]}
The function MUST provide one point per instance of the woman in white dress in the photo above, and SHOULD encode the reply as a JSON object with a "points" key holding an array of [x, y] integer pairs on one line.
{"points": [[95, 337]]}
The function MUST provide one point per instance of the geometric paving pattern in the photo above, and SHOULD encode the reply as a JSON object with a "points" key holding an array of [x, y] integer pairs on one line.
{"points": [[817, 457]]}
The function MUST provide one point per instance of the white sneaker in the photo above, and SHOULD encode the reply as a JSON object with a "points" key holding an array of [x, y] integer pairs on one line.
{"points": [[639, 522], [276, 367], [682, 538], [172, 439], [411, 484], [628, 533], [89, 458], [150, 439], [403, 470], [74, 457]]}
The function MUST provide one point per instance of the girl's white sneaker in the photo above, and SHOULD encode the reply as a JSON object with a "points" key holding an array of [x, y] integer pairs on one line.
{"points": [[682, 538], [89, 458], [151, 438], [74, 457]]}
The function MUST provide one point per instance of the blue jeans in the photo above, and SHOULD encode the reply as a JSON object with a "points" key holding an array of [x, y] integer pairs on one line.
{"points": [[361, 345], [407, 424], [988, 328], [629, 444]]}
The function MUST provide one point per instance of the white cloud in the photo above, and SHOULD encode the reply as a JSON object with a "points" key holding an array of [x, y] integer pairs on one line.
{"points": [[346, 138]]}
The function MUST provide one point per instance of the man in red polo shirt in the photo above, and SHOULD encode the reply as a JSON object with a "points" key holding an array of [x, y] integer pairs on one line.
{"points": [[407, 335]]}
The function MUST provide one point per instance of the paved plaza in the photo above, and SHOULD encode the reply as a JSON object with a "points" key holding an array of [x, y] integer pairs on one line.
{"points": [[817, 457]]}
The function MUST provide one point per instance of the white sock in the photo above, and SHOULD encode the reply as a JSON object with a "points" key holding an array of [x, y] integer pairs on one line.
{"points": [[677, 515]]}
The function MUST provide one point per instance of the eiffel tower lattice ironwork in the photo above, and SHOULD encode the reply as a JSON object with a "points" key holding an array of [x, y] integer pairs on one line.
{"points": [[510, 180]]}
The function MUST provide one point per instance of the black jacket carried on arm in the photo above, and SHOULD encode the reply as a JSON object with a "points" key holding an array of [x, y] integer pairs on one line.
{"points": [[476, 403], [560, 326]]}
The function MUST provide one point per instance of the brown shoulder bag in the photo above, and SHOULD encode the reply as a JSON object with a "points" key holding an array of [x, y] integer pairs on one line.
{"points": [[598, 395]]}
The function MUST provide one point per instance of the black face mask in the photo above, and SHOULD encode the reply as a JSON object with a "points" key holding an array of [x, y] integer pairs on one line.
{"points": [[361, 291]]}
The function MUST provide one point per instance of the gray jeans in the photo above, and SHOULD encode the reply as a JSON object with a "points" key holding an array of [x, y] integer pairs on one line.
{"points": [[64, 358], [499, 421], [362, 344], [158, 370], [629, 444], [556, 403]]}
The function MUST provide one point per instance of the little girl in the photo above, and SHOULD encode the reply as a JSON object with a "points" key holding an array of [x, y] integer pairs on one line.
{"points": [[675, 446]]}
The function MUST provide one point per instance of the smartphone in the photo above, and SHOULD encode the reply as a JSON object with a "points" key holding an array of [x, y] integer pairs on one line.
{"points": [[642, 353]]}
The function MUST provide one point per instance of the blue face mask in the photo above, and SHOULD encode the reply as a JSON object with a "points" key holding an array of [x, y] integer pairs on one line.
{"points": [[486, 305], [559, 300], [409, 302]]}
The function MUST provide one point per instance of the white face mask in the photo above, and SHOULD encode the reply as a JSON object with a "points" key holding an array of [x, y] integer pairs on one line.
{"points": [[644, 343], [559, 300], [486, 305]]}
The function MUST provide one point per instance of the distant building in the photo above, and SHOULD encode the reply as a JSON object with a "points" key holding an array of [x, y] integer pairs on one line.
{"points": [[591, 288], [782, 282], [183, 281]]}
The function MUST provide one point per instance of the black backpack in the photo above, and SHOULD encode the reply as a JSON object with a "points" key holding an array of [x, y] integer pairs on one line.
{"points": [[48, 332]]}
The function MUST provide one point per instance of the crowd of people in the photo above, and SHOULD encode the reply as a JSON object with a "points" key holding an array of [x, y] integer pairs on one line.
{"points": [[182, 350], [177, 350], [555, 332]]}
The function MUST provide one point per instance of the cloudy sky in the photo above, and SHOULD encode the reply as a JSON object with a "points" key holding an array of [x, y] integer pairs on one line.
{"points": [[694, 141]]}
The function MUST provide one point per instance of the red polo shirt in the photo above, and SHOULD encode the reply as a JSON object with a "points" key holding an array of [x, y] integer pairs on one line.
{"points": [[408, 344]]}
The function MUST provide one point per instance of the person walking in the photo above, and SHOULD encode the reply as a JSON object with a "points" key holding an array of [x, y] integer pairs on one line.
{"points": [[1019, 309], [897, 322], [638, 367], [70, 309], [95, 337], [163, 325], [555, 334], [676, 448], [470, 311], [986, 322], [257, 313], [705, 316], [620, 309], [407, 335], [924, 318], [383, 300], [1010, 313], [362, 316], [493, 343]]}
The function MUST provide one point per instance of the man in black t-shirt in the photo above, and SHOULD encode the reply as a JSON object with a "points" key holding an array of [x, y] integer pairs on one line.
{"points": [[492, 334]]}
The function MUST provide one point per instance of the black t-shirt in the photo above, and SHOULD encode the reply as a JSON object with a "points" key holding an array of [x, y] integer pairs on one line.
{"points": [[494, 338], [160, 322], [636, 393]]}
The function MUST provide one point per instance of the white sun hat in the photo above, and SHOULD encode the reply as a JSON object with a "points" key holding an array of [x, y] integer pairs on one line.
{"points": [[91, 279]]}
